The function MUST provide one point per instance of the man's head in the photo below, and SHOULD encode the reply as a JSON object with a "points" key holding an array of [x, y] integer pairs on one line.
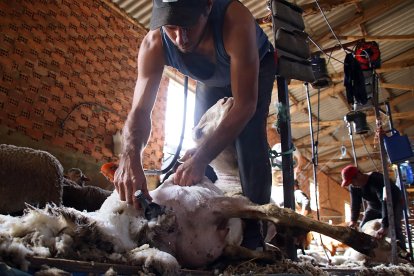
{"points": [[184, 21], [350, 176], [180, 13]]}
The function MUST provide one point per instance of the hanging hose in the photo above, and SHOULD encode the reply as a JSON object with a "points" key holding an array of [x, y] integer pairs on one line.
{"points": [[177, 152]]}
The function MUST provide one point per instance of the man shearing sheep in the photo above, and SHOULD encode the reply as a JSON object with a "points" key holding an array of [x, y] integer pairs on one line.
{"points": [[219, 44]]}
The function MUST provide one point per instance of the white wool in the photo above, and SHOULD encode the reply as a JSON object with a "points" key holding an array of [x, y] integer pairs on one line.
{"points": [[163, 262], [229, 184], [117, 257], [16, 252], [194, 196], [117, 219], [63, 243], [38, 220], [41, 251]]}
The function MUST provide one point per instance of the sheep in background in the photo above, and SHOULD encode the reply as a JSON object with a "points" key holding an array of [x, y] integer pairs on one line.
{"points": [[77, 176], [89, 198], [36, 177], [28, 175]]}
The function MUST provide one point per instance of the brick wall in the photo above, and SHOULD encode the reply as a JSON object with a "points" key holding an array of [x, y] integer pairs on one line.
{"points": [[67, 74]]}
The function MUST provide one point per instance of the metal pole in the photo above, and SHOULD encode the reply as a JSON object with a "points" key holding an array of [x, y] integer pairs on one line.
{"points": [[314, 155], [403, 191], [387, 184], [287, 160], [351, 137]]}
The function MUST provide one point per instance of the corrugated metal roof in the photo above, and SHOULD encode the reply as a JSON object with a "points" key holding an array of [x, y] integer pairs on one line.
{"points": [[397, 20]]}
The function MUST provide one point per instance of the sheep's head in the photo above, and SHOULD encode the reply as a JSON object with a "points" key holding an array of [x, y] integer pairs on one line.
{"points": [[225, 162], [211, 119]]}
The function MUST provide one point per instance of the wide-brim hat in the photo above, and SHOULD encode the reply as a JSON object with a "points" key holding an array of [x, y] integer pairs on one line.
{"points": [[183, 13]]}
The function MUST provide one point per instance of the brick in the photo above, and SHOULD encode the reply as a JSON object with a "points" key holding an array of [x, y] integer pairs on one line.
{"points": [[35, 134], [70, 125], [82, 123], [97, 155], [23, 121], [59, 141]]}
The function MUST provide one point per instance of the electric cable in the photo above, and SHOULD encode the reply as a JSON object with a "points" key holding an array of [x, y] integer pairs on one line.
{"points": [[369, 154], [320, 49], [167, 169], [329, 25]]}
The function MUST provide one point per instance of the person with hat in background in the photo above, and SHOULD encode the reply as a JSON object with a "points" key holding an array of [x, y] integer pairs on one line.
{"points": [[219, 44], [370, 187]]}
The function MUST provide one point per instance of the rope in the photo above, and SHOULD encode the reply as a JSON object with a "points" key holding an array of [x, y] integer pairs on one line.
{"points": [[369, 154], [282, 116], [274, 154]]}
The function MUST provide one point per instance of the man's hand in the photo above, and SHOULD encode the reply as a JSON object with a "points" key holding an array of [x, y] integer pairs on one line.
{"points": [[353, 224], [190, 172], [130, 177], [381, 233]]}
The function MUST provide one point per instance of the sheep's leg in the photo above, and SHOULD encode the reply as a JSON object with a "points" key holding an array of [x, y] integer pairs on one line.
{"points": [[235, 252], [243, 208]]}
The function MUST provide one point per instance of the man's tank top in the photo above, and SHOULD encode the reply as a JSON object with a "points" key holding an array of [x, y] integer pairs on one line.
{"points": [[199, 67]]}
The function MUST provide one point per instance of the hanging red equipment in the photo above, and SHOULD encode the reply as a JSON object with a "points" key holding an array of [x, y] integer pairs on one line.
{"points": [[368, 55]]}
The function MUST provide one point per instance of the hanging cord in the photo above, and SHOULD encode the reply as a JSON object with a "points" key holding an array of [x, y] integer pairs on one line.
{"points": [[168, 170], [369, 154], [329, 25], [99, 109], [320, 49]]}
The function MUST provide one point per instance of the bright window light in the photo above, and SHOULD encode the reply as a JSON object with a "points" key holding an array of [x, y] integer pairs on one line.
{"points": [[174, 119]]}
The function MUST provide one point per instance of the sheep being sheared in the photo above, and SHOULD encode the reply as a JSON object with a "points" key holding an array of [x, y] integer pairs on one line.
{"points": [[117, 233], [201, 225]]}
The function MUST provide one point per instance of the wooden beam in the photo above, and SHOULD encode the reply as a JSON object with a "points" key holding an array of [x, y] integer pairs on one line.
{"points": [[346, 143], [378, 8], [328, 92], [396, 65], [326, 5], [396, 116], [309, 8], [397, 86], [393, 38]]}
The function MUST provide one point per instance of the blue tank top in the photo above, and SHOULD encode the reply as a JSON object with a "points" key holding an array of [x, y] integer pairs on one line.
{"points": [[198, 67]]}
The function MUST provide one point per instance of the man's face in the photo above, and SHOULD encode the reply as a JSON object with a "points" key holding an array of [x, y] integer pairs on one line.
{"points": [[357, 180], [186, 39]]}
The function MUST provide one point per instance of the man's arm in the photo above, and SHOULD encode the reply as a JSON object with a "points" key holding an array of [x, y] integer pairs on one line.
{"points": [[130, 175], [356, 202], [239, 34]]}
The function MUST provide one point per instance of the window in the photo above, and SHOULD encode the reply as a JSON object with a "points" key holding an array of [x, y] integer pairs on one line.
{"points": [[347, 212], [174, 118], [312, 194]]}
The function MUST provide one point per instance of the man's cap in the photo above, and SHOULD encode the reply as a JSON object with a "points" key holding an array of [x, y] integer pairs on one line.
{"points": [[183, 13], [348, 173]]}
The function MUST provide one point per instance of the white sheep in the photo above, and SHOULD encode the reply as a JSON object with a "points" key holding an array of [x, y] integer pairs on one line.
{"points": [[197, 228]]}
